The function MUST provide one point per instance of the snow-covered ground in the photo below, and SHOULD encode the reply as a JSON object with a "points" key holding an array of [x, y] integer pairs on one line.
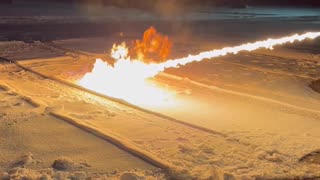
{"points": [[245, 116], [185, 150], [36, 145]]}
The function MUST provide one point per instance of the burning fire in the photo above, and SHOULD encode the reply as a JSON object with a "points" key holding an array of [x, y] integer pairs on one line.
{"points": [[128, 78], [153, 48], [267, 44]]}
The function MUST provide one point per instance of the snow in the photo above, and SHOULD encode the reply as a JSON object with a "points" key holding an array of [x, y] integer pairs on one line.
{"points": [[247, 116], [48, 147], [190, 152]]}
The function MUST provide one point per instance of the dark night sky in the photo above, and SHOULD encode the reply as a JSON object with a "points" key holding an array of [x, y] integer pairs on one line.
{"points": [[234, 3]]}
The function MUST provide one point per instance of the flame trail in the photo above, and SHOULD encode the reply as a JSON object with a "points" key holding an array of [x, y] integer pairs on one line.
{"points": [[127, 78], [268, 44]]}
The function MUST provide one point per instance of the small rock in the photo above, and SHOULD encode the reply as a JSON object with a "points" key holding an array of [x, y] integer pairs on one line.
{"points": [[63, 164], [25, 160], [129, 176], [45, 177], [315, 85]]}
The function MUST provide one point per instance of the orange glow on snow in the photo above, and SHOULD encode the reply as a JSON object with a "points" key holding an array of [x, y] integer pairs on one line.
{"points": [[127, 78]]}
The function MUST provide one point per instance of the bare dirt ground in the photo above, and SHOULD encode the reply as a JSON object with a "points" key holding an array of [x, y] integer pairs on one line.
{"points": [[247, 116]]}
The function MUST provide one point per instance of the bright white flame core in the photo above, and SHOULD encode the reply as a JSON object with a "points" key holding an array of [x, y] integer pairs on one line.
{"points": [[127, 79]]}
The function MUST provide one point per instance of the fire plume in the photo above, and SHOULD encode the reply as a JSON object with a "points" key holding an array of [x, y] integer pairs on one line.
{"points": [[153, 48], [128, 78]]}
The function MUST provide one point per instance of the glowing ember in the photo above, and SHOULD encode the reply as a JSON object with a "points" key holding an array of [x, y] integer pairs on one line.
{"points": [[127, 78]]}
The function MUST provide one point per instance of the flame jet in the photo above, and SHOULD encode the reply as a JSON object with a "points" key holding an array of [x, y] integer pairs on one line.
{"points": [[126, 78], [268, 44]]}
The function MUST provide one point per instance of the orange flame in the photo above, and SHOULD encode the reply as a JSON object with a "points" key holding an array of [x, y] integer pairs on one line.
{"points": [[267, 44], [153, 48], [127, 78]]}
